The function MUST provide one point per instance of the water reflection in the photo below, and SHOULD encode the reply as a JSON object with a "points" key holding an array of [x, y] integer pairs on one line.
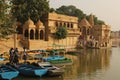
{"points": [[38, 78], [88, 64]]}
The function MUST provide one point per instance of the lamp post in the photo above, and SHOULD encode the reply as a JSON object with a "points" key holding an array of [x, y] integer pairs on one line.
{"points": [[15, 36]]}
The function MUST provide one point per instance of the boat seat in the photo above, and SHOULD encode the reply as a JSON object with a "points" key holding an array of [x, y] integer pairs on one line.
{"points": [[28, 69], [22, 67], [4, 70]]}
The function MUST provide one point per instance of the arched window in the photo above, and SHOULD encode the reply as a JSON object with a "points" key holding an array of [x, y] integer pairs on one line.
{"points": [[26, 34], [68, 25], [41, 35], [64, 24], [31, 34], [71, 25], [84, 30], [36, 34], [60, 24], [56, 24], [88, 31]]}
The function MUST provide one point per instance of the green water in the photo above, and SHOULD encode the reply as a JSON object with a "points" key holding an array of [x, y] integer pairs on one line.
{"points": [[89, 65]]}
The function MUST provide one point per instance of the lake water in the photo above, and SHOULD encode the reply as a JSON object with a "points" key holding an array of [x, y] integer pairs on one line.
{"points": [[89, 64]]}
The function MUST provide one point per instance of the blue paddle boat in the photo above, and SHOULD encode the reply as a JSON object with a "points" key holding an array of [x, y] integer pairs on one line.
{"points": [[55, 57], [7, 72], [31, 71], [2, 59]]}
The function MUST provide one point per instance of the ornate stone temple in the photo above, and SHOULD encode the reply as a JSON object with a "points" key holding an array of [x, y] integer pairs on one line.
{"points": [[33, 34], [94, 36], [40, 35]]}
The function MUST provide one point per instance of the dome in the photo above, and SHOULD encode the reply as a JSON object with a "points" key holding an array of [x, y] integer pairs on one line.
{"points": [[39, 23], [29, 22], [85, 23]]}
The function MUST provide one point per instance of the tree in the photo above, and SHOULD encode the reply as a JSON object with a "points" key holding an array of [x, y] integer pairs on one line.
{"points": [[6, 19], [71, 11], [33, 9], [52, 10], [61, 33], [100, 22], [96, 20]]}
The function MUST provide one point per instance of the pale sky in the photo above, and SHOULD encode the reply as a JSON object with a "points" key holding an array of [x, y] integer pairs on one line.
{"points": [[106, 10]]}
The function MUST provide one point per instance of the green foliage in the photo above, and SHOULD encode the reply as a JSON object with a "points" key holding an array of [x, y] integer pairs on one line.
{"points": [[71, 11], [96, 20], [52, 10], [24, 9], [61, 33], [6, 19], [100, 22]]}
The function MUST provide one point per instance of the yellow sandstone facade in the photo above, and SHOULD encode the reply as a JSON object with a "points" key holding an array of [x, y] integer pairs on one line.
{"points": [[94, 36], [39, 35]]}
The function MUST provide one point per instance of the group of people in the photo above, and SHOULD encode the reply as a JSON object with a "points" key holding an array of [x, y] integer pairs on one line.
{"points": [[14, 55]]}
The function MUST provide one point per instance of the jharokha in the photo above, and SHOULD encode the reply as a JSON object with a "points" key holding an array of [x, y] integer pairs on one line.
{"points": [[39, 35]]}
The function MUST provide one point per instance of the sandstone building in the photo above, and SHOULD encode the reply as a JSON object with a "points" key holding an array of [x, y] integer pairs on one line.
{"points": [[95, 36], [39, 35]]}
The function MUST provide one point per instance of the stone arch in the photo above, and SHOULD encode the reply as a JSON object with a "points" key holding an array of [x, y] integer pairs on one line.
{"points": [[26, 34], [68, 25], [56, 24], [71, 25], [31, 34], [88, 31], [60, 24], [36, 34], [41, 34], [64, 24], [84, 30]]}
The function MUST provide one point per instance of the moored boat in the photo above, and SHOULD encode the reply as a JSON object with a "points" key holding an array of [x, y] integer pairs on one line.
{"points": [[31, 71], [61, 63], [55, 57], [52, 70], [7, 72], [66, 60], [2, 59]]}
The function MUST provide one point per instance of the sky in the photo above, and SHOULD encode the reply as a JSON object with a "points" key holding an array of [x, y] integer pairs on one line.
{"points": [[106, 10]]}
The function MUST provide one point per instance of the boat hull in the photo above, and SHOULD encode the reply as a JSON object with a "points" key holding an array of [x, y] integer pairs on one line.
{"points": [[56, 72], [30, 71], [52, 70], [54, 58], [8, 73]]}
